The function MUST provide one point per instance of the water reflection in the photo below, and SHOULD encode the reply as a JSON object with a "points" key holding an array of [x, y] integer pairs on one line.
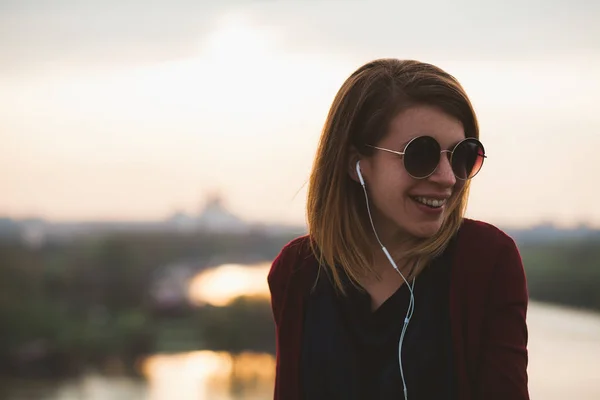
{"points": [[221, 285], [91, 386], [564, 352], [199, 375], [210, 375]]}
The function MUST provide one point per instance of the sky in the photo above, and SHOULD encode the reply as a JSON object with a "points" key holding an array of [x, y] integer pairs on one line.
{"points": [[131, 109]]}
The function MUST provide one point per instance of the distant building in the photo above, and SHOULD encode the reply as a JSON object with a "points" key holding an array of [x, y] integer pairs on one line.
{"points": [[214, 217]]}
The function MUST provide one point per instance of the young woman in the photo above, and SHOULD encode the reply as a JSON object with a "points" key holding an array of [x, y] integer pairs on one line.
{"points": [[393, 294]]}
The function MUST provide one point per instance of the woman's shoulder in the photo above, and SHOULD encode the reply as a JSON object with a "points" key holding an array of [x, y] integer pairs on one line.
{"points": [[290, 258], [298, 249], [483, 235], [293, 256], [486, 252], [484, 239]]}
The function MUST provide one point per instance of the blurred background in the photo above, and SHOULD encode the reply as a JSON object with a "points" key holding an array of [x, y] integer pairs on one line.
{"points": [[154, 158]]}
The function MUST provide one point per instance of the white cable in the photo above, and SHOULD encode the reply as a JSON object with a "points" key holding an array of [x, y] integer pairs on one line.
{"points": [[411, 304]]}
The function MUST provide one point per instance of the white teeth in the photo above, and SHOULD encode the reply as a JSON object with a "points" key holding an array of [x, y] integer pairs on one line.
{"points": [[431, 202]]}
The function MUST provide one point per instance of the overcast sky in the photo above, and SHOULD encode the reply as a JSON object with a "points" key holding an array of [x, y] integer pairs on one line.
{"points": [[117, 31], [130, 109]]}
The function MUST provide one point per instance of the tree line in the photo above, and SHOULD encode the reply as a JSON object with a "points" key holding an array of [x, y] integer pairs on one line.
{"points": [[68, 304]]}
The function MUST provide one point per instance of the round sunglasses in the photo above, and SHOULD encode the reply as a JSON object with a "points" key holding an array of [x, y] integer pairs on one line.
{"points": [[421, 157]]}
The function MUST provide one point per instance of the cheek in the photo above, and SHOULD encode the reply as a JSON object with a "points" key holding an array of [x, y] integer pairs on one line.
{"points": [[404, 185], [390, 185], [396, 179], [393, 193]]}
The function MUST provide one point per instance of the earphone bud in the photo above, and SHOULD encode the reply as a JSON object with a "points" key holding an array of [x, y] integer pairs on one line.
{"points": [[360, 177]]}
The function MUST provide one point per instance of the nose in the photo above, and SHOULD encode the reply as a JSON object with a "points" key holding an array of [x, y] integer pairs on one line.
{"points": [[443, 175]]}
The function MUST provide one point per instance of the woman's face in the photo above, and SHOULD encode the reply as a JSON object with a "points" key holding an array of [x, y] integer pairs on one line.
{"points": [[397, 199]]}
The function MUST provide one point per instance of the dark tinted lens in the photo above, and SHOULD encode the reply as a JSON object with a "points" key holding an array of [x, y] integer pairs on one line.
{"points": [[422, 156], [467, 158]]}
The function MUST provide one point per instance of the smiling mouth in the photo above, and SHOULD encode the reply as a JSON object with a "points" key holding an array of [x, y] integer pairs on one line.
{"points": [[431, 203]]}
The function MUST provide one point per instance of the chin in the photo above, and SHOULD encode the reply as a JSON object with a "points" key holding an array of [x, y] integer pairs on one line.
{"points": [[425, 230]]}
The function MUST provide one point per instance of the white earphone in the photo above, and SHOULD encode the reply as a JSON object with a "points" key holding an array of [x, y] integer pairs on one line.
{"points": [[411, 304], [360, 177]]}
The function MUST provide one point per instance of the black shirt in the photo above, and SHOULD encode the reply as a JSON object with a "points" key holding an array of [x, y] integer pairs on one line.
{"points": [[351, 352]]}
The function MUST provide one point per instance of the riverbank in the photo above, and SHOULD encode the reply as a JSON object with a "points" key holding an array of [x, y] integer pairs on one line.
{"points": [[564, 349]]}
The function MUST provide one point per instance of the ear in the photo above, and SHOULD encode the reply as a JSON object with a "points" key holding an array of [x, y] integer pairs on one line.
{"points": [[352, 160]]}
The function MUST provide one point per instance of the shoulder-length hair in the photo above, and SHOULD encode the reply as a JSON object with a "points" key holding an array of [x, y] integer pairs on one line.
{"points": [[360, 115]]}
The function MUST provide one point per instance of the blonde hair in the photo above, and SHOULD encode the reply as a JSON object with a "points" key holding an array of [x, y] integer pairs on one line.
{"points": [[360, 115]]}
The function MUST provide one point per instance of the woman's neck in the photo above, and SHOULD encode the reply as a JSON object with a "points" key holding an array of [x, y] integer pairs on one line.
{"points": [[396, 241]]}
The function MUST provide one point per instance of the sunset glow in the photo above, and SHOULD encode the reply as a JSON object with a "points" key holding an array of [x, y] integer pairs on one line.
{"points": [[207, 375], [221, 285], [116, 126]]}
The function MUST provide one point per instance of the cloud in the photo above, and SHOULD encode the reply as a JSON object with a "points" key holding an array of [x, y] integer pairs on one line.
{"points": [[36, 34], [464, 28]]}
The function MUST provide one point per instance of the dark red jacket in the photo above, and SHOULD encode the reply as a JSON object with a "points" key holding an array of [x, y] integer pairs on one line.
{"points": [[488, 306]]}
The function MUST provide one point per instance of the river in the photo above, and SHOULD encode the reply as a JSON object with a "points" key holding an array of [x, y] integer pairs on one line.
{"points": [[564, 363], [564, 349]]}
